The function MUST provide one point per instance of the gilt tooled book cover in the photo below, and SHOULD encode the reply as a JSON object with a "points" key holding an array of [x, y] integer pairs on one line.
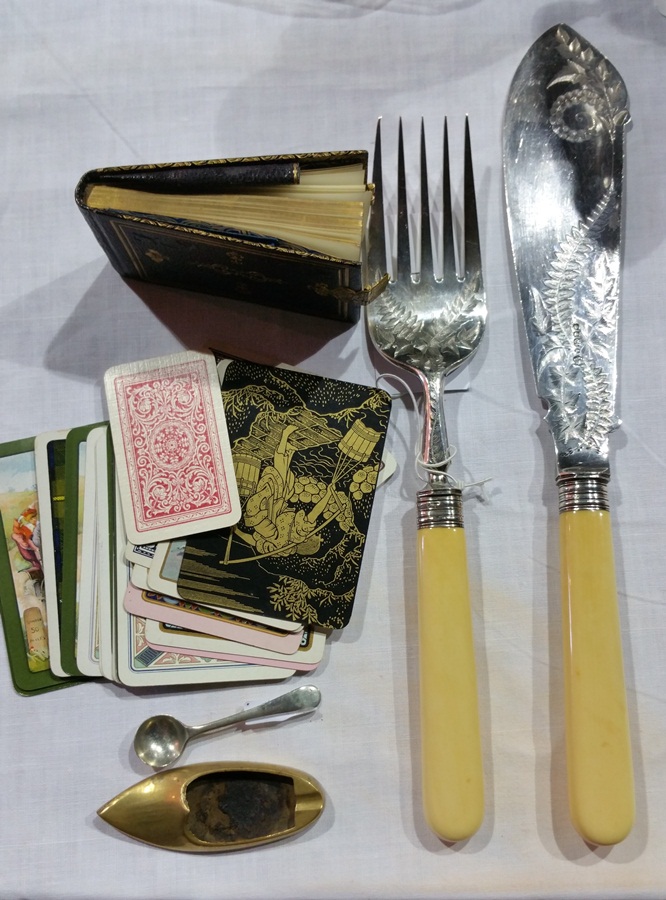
{"points": [[307, 454], [222, 261]]}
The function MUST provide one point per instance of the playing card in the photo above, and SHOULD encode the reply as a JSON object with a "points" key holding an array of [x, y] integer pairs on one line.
{"points": [[22, 605], [164, 637], [162, 577], [139, 664], [141, 554], [307, 452], [72, 545], [75, 455], [203, 619], [136, 663], [171, 445], [104, 552], [50, 470], [87, 620], [387, 468]]}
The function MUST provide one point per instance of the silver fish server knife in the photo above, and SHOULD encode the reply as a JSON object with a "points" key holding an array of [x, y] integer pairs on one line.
{"points": [[563, 157]]}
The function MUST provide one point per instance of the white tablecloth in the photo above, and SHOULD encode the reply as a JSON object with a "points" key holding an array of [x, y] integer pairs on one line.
{"points": [[85, 83]]}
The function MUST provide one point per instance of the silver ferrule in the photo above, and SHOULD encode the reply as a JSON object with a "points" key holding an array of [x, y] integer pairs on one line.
{"points": [[583, 490], [439, 507]]}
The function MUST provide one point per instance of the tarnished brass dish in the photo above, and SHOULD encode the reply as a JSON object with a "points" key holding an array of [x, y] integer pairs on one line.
{"points": [[213, 807]]}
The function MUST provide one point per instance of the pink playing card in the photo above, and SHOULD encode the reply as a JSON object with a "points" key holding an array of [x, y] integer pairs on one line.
{"points": [[171, 446], [191, 616]]}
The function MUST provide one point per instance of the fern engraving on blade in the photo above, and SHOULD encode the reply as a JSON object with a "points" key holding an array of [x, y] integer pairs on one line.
{"points": [[574, 314], [574, 310], [429, 343]]}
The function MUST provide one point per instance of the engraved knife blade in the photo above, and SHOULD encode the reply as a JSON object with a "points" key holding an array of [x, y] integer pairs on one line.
{"points": [[563, 140]]}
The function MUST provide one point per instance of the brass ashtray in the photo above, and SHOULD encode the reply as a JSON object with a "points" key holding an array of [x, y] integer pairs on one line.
{"points": [[214, 807]]}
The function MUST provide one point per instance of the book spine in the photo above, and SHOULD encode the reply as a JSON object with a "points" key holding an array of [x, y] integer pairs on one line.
{"points": [[102, 227], [201, 179]]}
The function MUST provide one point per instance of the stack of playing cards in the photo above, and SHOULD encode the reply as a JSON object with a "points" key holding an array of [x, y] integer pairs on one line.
{"points": [[211, 532]]}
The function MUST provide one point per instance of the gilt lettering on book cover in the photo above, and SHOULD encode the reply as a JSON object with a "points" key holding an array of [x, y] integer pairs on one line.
{"points": [[307, 453]]}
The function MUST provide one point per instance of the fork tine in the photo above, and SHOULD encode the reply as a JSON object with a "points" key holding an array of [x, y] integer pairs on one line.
{"points": [[472, 243], [426, 267], [448, 249], [403, 264], [376, 229]]}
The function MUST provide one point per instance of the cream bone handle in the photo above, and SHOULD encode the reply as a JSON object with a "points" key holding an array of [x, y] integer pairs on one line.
{"points": [[599, 764], [452, 763]]}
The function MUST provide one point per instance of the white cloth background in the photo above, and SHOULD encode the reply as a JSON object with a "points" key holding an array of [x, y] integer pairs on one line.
{"points": [[85, 83]]}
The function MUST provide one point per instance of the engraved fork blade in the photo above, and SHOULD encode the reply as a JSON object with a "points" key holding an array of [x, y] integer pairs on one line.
{"points": [[430, 326]]}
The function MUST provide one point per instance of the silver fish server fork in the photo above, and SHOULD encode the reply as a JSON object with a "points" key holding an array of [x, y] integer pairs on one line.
{"points": [[430, 326]]}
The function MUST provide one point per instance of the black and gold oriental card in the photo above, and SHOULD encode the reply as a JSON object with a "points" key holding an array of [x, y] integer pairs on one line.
{"points": [[307, 453]]}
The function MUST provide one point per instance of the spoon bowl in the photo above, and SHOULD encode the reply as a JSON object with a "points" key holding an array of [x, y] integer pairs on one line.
{"points": [[160, 740]]}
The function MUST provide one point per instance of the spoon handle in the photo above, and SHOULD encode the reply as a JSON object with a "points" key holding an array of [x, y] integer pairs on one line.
{"points": [[301, 699]]}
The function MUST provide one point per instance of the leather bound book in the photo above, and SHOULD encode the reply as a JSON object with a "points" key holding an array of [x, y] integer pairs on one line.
{"points": [[285, 231]]}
